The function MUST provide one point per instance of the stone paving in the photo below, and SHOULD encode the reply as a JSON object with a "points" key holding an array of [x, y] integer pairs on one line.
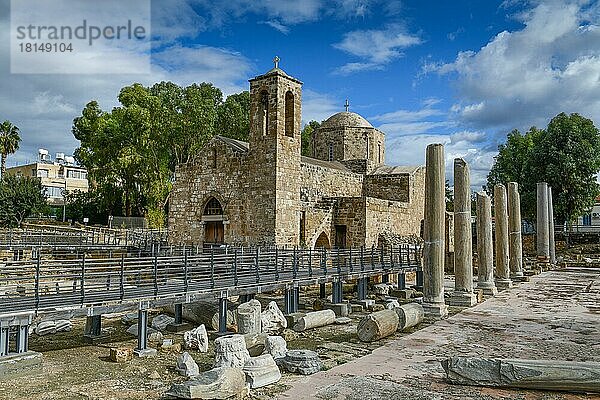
{"points": [[554, 316]]}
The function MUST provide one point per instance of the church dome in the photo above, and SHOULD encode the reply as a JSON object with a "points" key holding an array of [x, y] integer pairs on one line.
{"points": [[346, 119]]}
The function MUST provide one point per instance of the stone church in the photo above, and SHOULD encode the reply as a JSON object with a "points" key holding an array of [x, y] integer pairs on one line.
{"points": [[265, 192]]}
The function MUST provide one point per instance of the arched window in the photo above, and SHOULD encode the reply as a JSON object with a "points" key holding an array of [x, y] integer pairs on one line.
{"points": [[289, 114], [264, 112], [213, 207]]}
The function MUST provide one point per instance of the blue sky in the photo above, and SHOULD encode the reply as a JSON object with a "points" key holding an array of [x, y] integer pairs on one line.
{"points": [[463, 73]]}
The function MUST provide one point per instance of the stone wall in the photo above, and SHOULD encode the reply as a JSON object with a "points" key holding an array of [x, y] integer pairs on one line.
{"points": [[388, 187], [350, 211], [323, 139], [349, 143], [196, 183], [322, 186], [320, 180], [389, 216]]}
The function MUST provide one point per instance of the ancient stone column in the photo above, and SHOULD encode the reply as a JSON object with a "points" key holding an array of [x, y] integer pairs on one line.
{"points": [[543, 240], [463, 238], [433, 233], [248, 317], [502, 257], [485, 251], [514, 228], [551, 227]]}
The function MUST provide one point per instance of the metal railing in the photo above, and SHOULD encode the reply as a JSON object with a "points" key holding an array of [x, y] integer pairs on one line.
{"points": [[46, 236], [38, 285]]}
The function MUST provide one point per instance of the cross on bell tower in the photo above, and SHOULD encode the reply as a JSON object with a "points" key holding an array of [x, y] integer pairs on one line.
{"points": [[347, 105], [276, 61]]}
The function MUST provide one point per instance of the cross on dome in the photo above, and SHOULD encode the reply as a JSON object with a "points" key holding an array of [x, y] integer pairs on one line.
{"points": [[347, 105], [276, 61]]}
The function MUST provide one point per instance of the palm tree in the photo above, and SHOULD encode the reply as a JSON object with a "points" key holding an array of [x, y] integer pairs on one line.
{"points": [[9, 143]]}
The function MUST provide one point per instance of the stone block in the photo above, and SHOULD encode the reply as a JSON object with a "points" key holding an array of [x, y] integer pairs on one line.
{"points": [[293, 318], [255, 343], [276, 346], [133, 330], [261, 371], [382, 289], [391, 304], [155, 337], [218, 383], [356, 308], [231, 351], [403, 294], [45, 328], [304, 362], [272, 319], [121, 354], [186, 366], [367, 304], [161, 321], [63, 325], [249, 317], [170, 347], [340, 309], [196, 339]]}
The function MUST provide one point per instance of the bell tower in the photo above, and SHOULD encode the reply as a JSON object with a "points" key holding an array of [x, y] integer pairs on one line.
{"points": [[275, 150]]}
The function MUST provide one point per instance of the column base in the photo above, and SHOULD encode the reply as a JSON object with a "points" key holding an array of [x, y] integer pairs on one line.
{"points": [[517, 276], [462, 299], [149, 352], [435, 310], [488, 289], [503, 284]]}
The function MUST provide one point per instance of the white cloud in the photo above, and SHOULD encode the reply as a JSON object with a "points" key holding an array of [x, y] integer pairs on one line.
{"points": [[283, 13], [318, 106], [277, 26], [175, 19], [375, 47], [527, 76]]}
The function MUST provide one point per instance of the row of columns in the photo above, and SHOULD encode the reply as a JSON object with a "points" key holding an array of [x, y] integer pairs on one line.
{"points": [[509, 259]]}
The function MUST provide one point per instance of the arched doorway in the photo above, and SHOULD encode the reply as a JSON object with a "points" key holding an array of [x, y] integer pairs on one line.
{"points": [[322, 241], [212, 217]]}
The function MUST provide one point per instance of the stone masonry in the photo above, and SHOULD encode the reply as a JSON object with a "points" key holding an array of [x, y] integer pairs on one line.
{"points": [[263, 192]]}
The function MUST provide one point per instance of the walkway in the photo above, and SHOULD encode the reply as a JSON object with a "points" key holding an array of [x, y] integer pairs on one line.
{"points": [[554, 316]]}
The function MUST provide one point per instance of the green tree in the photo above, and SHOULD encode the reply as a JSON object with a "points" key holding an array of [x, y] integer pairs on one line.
{"points": [[513, 164], [306, 138], [234, 116], [134, 149], [20, 197], [566, 155], [449, 196], [9, 143]]}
